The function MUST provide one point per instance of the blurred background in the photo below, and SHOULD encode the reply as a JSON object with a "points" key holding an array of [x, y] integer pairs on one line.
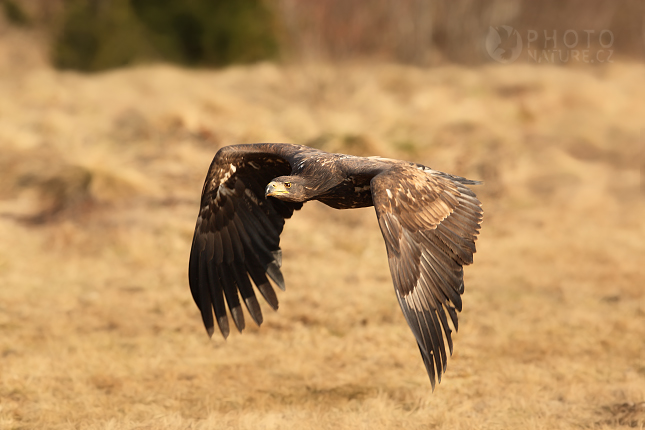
{"points": [[111, 111], [94, 35]]}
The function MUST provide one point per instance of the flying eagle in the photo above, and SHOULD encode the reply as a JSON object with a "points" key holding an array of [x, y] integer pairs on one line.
{"points": [[429, 220]]}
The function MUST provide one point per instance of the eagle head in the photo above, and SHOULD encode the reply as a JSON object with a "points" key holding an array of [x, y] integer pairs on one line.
{"points": [[287, 188]]}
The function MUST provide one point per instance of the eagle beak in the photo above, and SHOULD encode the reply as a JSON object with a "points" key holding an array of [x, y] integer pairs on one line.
{"points": [[274, 189]]}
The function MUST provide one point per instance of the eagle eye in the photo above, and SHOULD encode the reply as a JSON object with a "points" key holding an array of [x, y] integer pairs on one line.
{"points": [[287, 184]]}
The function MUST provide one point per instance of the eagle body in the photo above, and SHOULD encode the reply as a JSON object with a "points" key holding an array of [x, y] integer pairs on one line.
{"points": [[429, 221]]}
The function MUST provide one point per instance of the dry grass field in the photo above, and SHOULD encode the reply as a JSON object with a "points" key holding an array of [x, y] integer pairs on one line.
{"points": [[100, 179]]}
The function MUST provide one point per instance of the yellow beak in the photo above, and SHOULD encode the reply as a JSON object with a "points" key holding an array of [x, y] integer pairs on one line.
{"points": [[274, 189]]}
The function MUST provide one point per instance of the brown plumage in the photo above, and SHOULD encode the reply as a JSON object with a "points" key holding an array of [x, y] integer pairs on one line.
{"points": [[429, 220]]}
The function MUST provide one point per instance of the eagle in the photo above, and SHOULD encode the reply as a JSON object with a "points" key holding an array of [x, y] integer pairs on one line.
{"points": [[429, 221]]}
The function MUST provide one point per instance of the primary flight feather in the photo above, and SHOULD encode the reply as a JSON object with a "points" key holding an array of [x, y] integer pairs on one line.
{"points": [[429, 220]]}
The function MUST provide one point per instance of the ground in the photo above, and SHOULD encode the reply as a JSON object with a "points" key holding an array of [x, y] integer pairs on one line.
{"points": [[100, 178]]}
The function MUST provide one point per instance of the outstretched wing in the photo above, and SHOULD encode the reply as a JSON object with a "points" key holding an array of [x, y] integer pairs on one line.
{"points": [[429, 221], [237, 235]]}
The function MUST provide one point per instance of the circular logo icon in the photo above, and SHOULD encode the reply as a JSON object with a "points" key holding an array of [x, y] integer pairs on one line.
{"points": [[503, 43]]}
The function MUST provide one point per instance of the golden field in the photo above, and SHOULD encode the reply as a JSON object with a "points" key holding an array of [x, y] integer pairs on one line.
{"points": [[100, 179]]}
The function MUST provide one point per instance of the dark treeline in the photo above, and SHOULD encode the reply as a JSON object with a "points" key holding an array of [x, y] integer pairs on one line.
{"points": [[93, 35], [100, 34]]}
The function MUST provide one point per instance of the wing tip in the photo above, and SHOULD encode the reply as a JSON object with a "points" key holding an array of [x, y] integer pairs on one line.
{"points": [[433, 383], [254, 309], [269, 295], [273, 271], [238, 318], [222, 322]]}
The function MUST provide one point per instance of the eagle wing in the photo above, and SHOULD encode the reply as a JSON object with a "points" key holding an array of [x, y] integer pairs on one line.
{"points": [[237, 235], [430, 221]]}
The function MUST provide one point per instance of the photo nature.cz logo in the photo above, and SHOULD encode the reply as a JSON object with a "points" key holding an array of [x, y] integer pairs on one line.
{"points": [[504, 44]]}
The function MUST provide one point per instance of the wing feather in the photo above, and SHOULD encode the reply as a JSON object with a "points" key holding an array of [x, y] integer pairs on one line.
{"points": [[227, 282], [237, 235], [203, 296], [430, 222], [217, 299]]}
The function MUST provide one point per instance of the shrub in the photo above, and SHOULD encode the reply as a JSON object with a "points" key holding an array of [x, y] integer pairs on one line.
{"points": [[99, 34]]}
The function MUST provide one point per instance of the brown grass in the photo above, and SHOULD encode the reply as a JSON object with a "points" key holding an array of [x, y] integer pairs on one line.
{"points": [[99, 186]]}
